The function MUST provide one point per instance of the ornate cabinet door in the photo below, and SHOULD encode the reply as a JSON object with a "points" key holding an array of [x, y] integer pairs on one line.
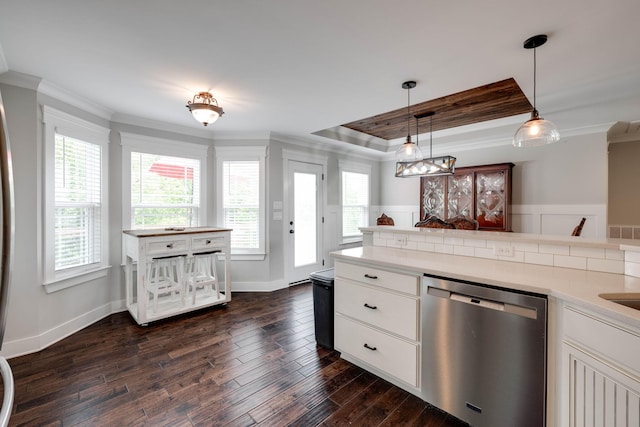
{"points": [[482, 193]]}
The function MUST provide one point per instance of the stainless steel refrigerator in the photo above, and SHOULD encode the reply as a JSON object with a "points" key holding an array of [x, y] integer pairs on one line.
{"points": [[7, 230]]}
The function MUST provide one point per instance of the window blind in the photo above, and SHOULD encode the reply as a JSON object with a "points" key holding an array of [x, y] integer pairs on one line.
{"points": [[241, 202], [165, 191], [77, 203], [355, 202]]}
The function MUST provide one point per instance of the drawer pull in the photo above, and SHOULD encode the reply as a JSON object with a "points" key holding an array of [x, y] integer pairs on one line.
{"points": [[372, 307], [208, 242], [368, 276], [169, 245], [370, 348]]}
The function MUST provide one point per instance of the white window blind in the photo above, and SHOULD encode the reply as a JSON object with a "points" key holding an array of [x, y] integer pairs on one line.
{"points": [[355, 203], [77, 237], [241, 202], [165, 191]]}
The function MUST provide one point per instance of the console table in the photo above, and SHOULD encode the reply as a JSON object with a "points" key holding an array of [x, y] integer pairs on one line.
{"points": [[141, 247]]}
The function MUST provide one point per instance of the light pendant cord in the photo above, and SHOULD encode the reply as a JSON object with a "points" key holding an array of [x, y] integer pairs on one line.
{"points": [[431, 137], [534, 78], [408, 114]]}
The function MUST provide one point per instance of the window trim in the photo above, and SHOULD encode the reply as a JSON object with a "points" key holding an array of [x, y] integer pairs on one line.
{"points": [[55, 121], [131, 142], [354, 167], [259, 153]]}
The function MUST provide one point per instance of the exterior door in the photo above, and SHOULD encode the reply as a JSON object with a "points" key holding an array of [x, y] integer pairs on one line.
{"points": [[303, 226]]}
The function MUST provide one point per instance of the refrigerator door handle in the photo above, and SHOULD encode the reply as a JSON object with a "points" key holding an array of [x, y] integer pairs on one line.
{"points": [[7, 401]]}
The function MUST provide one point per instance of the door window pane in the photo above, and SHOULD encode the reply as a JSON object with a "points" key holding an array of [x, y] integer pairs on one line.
{"points": [[305, 219]]}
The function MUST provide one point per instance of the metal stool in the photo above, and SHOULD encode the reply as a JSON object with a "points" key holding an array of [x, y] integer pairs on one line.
{"points": [[165, 276], [202, 274]]}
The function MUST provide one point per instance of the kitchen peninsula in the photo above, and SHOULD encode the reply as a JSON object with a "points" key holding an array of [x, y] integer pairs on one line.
{"points": [[188, 249], [592, 343]]}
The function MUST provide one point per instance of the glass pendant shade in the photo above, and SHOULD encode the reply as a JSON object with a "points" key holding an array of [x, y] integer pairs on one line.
{"points": [[408, 152], [536, 132]]}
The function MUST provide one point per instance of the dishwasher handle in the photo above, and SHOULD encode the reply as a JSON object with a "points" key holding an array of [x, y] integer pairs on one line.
{"points": [[528, 312]]}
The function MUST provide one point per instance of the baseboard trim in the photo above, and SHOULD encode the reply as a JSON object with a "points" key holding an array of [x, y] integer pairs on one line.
{"points": [[274, 285], [36, 343]]}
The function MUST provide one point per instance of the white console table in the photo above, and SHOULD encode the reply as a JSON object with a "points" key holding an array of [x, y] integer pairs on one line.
{"points": [[142, 246]]}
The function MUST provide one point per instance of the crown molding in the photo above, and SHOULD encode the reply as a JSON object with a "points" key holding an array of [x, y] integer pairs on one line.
{"points": [[64, 95], [328, 146], [26, 81]]}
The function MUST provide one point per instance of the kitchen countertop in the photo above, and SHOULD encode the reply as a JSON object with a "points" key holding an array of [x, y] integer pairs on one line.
{"points": [[579, 287], [154, 232]]}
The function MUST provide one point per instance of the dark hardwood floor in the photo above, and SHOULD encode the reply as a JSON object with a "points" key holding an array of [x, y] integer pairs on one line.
{"points": [[252, 362]]}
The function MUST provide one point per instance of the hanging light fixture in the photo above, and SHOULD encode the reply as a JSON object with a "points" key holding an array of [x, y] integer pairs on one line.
{"points": [[409, 151], [204, 108], [428, 166], [535, 131]]}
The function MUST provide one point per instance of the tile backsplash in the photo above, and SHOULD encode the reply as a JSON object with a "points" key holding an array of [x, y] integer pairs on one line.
{"points": [[561, 254]]}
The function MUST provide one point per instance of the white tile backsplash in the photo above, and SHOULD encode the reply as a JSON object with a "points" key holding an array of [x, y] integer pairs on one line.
{"points": [[591, 258]]}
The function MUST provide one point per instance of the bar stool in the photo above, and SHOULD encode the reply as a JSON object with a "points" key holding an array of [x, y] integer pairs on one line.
{"points": [[165, 276], [202, 274]]}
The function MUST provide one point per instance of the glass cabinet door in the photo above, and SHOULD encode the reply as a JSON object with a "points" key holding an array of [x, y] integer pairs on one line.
{"points": [[460, 194], [433, 197], [491, 199]]}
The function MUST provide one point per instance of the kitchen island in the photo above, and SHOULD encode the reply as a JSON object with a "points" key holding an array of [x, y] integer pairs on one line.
{"points": [[181, 246], [593, 371]]}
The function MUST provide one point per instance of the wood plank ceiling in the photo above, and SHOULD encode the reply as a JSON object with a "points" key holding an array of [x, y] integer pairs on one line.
{"points": [[488, 102]]}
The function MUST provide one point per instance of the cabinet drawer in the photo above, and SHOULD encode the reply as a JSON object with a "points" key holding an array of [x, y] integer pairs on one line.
{"points": [[374, 276], [392, 312], [167, 247], [207, 242], [387, 353]]}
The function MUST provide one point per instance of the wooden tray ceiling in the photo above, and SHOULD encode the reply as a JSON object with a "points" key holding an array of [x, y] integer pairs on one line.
{"points": [[488, 102]]}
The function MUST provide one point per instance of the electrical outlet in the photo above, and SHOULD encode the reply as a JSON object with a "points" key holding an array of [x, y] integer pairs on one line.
{"points": [[504, 250], [401, 241]]}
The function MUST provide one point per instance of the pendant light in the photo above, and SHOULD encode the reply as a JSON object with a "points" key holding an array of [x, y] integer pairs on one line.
{"points": [[535, 131], [409, 151], [428, 166]]}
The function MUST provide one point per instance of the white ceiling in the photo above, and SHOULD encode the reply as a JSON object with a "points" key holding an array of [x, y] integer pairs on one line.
{"points": [[296, 67]]}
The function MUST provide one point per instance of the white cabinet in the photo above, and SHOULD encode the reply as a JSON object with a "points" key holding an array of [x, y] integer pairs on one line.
{"points": [[142, 247], [600, 370], [377, 314]]}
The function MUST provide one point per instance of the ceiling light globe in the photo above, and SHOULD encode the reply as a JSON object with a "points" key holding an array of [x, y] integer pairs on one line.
{"points": [[205, 114]]}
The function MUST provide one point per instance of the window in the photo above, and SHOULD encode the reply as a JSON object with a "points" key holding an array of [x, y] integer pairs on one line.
{"points": [[75, 193], [165, 191], [241, 198], [355, 201], [163, 183]]}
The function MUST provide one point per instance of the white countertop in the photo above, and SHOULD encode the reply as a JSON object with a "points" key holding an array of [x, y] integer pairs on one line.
{"points": [[579, 287]]}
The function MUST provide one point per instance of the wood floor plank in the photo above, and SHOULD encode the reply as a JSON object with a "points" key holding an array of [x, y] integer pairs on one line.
{"points": [[254, 361]]}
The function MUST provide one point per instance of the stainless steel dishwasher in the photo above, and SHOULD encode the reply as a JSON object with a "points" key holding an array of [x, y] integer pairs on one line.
{"points": [[484, 353]]}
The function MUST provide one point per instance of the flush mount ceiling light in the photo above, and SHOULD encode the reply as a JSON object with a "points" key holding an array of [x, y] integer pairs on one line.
{"points": [[535, 131], [204, 108], [409, 151], [431, 166]]}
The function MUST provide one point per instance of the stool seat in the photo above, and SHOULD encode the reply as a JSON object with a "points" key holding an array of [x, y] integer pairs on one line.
{"points": [[202, 274], [165, 276]]}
